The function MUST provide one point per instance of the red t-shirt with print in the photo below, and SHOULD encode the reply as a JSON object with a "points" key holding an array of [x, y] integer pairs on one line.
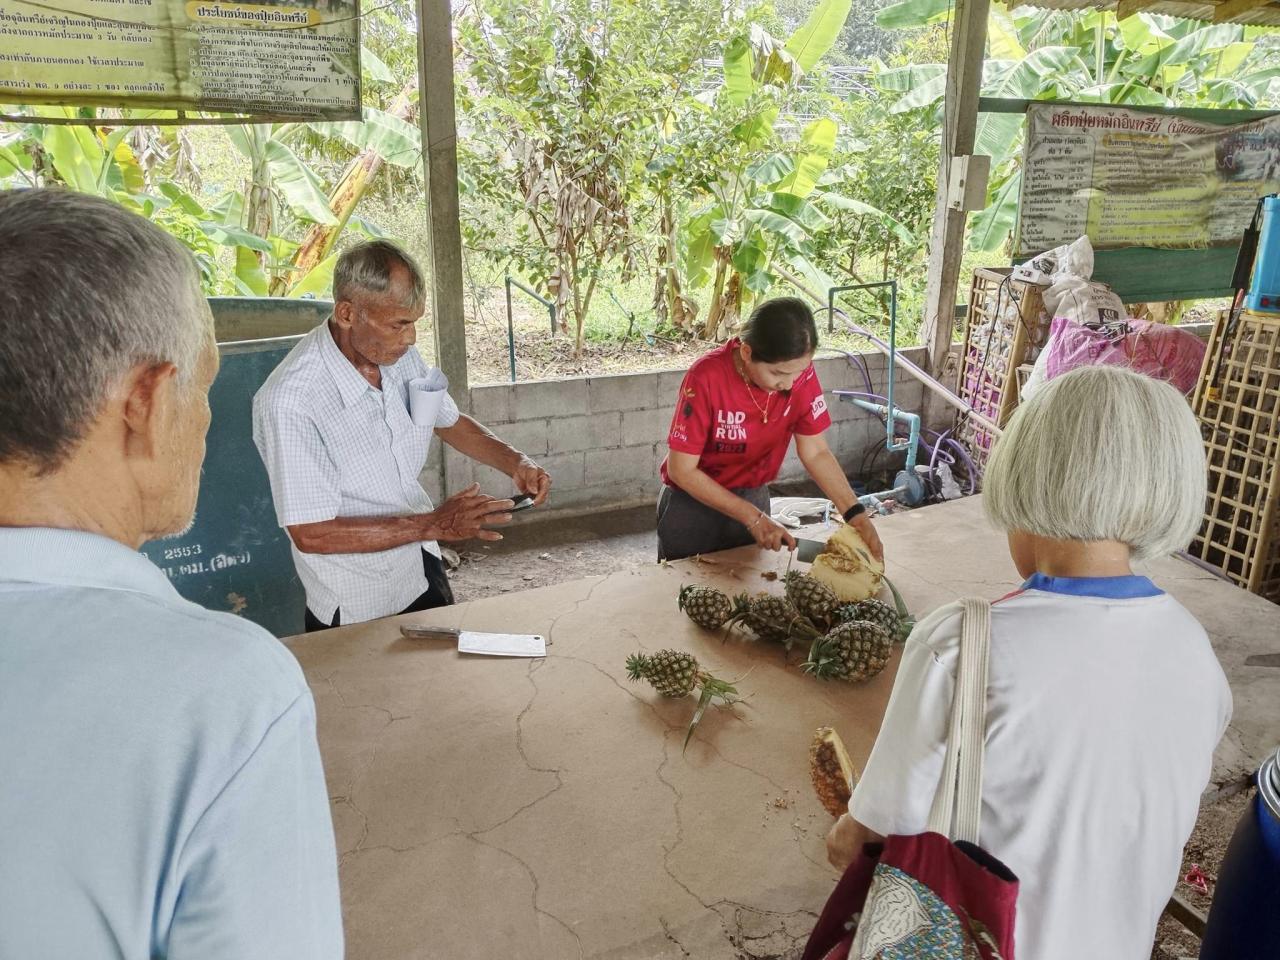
{"points": [[721, 420]]}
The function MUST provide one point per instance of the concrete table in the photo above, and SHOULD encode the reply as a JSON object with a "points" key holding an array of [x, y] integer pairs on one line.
{"points": [[543, 808]]}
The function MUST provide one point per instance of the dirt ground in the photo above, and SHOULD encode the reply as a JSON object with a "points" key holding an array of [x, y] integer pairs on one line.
{"points": [[538, 553], [1204, 851]]}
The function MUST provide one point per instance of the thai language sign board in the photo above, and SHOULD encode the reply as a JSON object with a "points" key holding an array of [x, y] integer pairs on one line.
{"points": [[296, 58], [1129, 178]]}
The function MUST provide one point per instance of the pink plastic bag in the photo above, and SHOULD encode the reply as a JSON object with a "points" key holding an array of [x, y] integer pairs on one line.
{"points": [[1156, 349]]}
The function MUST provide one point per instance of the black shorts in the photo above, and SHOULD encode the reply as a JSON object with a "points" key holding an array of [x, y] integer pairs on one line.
{"points": [[439, 594], [687, 527]]}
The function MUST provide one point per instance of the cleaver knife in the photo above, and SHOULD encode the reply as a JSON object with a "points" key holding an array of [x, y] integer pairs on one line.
{"points": [[807, 550]]}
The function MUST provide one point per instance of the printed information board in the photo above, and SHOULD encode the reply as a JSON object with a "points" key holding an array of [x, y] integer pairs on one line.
{"points": [[1130, 178], [288, 58]]}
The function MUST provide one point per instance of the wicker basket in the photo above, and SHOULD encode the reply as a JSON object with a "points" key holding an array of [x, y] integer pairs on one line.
{"points": [[1239, 417], [1005, 328]]}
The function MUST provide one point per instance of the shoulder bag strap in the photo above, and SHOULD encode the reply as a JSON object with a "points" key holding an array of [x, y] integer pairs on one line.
{"points": [[957, 806]]}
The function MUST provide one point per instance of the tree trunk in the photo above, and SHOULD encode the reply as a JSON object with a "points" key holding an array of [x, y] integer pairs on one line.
{"points": [[356, 179], [716, 311], [259, 209], [670, 303]]}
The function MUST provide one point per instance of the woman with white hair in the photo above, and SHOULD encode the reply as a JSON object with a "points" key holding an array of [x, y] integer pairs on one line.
{"points": [[1104, 699]]}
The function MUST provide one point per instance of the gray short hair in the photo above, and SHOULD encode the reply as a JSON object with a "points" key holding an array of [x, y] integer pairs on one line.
{"points": [[366, 268], [1101, 453], [88, 290]]}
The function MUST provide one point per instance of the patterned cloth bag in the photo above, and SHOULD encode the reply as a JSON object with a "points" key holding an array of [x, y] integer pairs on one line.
{"points": [[927, 896]]}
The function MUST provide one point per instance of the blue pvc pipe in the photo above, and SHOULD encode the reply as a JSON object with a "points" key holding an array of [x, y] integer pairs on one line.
{"points": [[912, 421]]}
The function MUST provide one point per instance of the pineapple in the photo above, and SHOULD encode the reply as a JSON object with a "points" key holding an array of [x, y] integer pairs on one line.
{"points": [[852, 651], [813, 598], [772, 619], [872, 611], [847, 566], [706, 606], [674, 673], [831, 771]]}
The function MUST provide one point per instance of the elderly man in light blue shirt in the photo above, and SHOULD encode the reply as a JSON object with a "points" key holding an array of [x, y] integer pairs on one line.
{"points": [[161, 794]]}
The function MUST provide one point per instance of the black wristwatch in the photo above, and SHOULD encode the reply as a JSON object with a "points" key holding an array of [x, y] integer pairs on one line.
{"points": [[856, 510]]}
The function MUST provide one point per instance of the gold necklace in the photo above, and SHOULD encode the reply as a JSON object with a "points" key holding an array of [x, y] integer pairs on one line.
{"points": [[763, 411]]}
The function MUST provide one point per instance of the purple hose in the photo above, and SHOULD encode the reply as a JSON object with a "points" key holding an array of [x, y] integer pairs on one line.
{"points": [[934, 449]]}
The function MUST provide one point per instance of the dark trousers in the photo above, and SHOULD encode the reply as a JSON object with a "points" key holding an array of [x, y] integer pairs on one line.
{"points": [[439, 594], [687, 528]]}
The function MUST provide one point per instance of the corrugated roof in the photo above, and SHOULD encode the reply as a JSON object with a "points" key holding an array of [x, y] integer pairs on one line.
{"points": [[1262, 13]]}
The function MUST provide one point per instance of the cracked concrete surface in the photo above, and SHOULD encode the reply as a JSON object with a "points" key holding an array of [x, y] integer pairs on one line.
{"points": [[543, 809]]}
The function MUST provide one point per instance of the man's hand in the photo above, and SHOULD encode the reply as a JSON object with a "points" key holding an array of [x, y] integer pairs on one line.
{"points": [[867, 531], [468, 515], [532, 479], [769, 534]]}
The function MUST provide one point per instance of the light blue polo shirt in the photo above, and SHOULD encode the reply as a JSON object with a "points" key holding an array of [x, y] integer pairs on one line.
{"points": [[161, 793]]}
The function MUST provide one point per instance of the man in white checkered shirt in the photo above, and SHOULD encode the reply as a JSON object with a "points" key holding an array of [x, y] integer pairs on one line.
{"points": [[334, 428]]}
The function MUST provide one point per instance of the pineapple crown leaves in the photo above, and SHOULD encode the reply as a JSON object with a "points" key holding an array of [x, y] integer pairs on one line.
{"points": [[908, 621], [638, 666], [711, 688], [758, 613]]}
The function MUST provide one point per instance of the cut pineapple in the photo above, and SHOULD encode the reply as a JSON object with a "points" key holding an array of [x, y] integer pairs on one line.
{"points": [[847, 566], [831, 771]]}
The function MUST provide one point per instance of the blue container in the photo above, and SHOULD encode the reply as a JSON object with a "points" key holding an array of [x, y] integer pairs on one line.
{"points": [[236, 558], [1264, 291], [1244, 919]]}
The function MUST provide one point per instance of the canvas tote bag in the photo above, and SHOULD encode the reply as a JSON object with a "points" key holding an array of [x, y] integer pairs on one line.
{"points": [[937, 894]]}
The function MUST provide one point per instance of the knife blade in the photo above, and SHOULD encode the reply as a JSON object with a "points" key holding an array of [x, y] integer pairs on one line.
{"points": [[807, 550]]}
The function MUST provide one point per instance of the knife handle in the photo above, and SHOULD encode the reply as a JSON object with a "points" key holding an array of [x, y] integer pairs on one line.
{"points": [[410, 632]]}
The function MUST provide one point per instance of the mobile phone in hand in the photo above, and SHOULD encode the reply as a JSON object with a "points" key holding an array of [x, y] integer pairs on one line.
{"points": [[522, 502]]}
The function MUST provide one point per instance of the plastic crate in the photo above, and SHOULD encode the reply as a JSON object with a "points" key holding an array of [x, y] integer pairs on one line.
{"points": [[1239, 414], [1005, 328]]}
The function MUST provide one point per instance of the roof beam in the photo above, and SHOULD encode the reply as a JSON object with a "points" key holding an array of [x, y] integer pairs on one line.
{"points": [[1127, 8], [1232, 9]]}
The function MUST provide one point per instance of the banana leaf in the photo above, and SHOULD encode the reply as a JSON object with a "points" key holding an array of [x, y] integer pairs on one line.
{"points": [[818, 139], [818, 34]]}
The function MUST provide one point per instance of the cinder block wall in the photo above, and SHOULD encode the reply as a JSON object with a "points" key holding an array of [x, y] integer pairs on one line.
{"points": [[603, 438]]}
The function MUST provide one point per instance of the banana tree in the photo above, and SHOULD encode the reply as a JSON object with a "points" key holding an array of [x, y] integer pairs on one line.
{"points": [[381, 138], [761, 210]]}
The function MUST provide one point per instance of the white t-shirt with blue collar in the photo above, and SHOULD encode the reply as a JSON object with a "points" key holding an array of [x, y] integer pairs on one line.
{"points": [[1105, 703]]}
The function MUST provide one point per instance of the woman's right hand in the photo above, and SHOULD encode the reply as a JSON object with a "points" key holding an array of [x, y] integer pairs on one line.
{"points": [[769, 534]]}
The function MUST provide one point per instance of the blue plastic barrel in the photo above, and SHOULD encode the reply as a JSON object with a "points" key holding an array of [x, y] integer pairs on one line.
{"points": [[1244, 919], [1264, 291]]}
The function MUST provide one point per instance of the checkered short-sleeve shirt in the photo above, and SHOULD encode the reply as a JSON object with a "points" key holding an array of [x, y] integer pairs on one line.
{"points": [[335, 446]]}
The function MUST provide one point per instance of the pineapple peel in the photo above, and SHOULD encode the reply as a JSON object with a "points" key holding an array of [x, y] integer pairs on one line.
{"points": [[847, 566], [831, 770]]}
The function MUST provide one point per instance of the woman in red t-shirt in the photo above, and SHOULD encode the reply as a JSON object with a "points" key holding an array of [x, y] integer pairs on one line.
{"points": [[738, 409]]}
